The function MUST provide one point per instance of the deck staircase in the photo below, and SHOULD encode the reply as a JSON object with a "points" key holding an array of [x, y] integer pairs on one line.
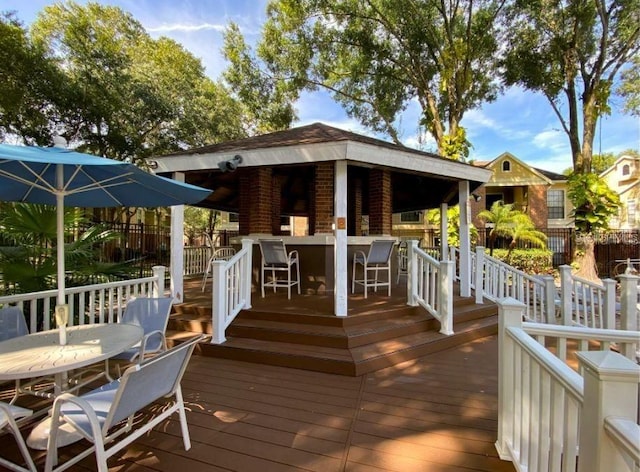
{"points": [[352, 345]]}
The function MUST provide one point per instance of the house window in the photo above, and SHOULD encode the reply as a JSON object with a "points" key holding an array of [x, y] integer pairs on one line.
{"points": [[555, 204], [234, 217], [631, 211], [410, 217], [506, 166], [625, 169]]}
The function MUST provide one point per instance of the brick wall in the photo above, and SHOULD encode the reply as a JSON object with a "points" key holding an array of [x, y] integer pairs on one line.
{"points": [[322, 208], [380, 217], [255, 201], [354, 219], [538, 210], [477, 207]]}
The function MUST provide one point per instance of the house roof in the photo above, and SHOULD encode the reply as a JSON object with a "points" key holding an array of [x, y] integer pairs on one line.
{"points": [[420, 179], [545, 174]]}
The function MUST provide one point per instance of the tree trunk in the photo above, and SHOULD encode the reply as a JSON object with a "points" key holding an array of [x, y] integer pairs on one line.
{"points": [[587, 263]]}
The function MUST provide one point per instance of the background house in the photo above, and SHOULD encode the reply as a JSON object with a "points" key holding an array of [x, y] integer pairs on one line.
{"points": [[623, 177]]}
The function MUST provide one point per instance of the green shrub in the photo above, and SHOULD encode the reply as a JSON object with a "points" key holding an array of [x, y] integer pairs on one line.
{"points": [[531, 261]]}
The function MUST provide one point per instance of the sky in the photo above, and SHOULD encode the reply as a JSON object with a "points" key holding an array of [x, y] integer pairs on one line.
{"points": [[519, 122]]}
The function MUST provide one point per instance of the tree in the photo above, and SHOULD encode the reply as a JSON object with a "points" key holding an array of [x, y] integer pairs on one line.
{"points": [[453, 225], [267, 102], [198, 221], [509, 223], [594, 203], [28, 238], [630, 87], [126, 95], [376, 57], [572, 52], [29, 83], [524, 231], [601, 162]]}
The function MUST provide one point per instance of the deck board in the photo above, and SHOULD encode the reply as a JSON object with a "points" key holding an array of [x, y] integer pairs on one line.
{"points": [[436, 413]]}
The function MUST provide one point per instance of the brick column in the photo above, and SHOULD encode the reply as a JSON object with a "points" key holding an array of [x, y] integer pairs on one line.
{"points": [[379, 202], [255, 201], [538, 211], [355, 207], [322, 208], [276, 197]]}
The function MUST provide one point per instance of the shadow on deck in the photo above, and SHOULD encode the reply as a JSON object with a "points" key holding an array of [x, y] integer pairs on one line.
{"points": [[303, 333]]}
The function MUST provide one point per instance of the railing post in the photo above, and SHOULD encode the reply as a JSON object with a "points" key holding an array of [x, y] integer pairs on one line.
{"points": [[219, 302], [609, 312], [566, 294], [247, 269], [412, 272], [446, 297], [510, 313], [158, 284], [629, 307], [479, 279], [550, 298], [610, 389]]}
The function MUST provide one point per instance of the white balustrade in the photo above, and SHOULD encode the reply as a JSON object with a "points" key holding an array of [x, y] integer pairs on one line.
{"points": [[430, 285], [196, 259], [548, 412], [97, 303], [231, 290]]}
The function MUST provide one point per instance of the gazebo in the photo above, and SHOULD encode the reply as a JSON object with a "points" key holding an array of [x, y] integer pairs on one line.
{"points": [[330, 176]]}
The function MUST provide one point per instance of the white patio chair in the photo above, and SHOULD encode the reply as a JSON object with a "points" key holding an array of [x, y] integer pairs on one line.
{"points": [[275, 258], [8, 416], [221, 254], [152, 315], [99, 415], [12, 323], [376, 261]]}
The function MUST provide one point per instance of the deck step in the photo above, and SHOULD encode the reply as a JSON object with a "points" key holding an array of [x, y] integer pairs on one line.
{"points": [[351, 345]]}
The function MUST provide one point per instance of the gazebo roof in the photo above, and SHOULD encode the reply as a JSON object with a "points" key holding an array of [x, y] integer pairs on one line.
{"points": [[420, 179]]}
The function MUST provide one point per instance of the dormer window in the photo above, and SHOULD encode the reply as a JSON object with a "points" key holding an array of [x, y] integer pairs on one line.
{"points": [[506, 166], [625, 169]]}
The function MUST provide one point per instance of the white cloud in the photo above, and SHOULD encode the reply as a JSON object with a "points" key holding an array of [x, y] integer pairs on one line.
{"points": [[170, 28]]}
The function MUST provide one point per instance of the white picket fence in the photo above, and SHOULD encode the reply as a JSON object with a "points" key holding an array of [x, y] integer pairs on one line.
{"points": [[548, 413], [89, 304]]}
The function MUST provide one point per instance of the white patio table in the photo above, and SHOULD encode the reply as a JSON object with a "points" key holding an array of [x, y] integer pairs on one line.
{"points": [[40, 354]]}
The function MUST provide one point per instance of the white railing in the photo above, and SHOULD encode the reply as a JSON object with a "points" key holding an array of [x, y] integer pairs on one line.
{"points": [[196, 259], [499, 280], [98, 303], [430, 285], [231, 290], [577, 302], [547, 411]]}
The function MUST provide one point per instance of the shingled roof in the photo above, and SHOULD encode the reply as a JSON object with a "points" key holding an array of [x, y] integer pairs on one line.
{"points": [[310, 134]]}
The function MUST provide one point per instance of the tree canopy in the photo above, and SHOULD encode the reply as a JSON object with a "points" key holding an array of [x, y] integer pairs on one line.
{"points": [[92, 74], [376, 57], [572, 52]]}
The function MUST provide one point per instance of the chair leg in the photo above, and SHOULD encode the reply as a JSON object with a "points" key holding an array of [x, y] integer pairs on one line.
{"points": [[365, 271], [389, 280], [353, 276], [31, 467], [183, 420], [288, 283], [262, 284], [298, 270]]}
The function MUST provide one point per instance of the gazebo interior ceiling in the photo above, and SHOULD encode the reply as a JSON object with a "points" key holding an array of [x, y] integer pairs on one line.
{"points": [[410, 192]]}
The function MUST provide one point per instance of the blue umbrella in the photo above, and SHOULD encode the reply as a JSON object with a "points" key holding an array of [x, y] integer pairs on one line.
{"points": [[61, 177]]}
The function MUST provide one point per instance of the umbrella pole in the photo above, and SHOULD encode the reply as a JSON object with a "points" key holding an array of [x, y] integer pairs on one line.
{"points": [[61, 310]]}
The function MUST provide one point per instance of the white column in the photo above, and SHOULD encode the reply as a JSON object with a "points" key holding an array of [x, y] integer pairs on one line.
{"points": [[340, 249], [444, 227], [465, 239], [177, 248]]}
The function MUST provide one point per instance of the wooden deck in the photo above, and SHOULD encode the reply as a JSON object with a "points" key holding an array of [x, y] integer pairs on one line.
{"points": [[436, 413]]}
